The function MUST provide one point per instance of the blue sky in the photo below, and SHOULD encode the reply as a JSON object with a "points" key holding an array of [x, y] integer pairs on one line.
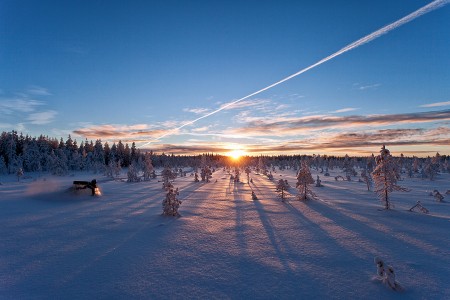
{"points": [[137, 70]]}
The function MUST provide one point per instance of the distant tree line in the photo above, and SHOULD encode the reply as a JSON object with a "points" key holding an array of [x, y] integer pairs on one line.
{"points": [[46, 154]]}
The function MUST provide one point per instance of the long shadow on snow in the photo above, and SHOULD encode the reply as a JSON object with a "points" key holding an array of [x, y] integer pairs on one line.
{"points": [[312, 264], [367, 239]]}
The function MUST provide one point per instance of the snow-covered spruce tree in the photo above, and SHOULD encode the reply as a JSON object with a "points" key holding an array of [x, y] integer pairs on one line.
{"points": [[109, 171], [205, 173], [171, 203], [304, 179], [32, 157], [431, 168], [132, 173], [148, 166], [348, 168], [261, 166], [446, 166], [167, 175], [3, 168], [58, 163], [281, 189], [385, 176]]}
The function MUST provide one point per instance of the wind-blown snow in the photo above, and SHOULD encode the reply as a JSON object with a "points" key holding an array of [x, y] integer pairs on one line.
{"points": [[60, 244]]}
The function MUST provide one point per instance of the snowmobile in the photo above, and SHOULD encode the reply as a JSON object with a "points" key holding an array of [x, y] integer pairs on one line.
{"points": [[92, 185]]}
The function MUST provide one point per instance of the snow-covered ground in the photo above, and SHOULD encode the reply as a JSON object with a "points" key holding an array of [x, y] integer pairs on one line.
{"points": [[59, 244]]}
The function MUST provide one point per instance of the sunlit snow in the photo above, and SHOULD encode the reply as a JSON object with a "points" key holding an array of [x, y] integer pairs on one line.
{"points": [[57, 243]]}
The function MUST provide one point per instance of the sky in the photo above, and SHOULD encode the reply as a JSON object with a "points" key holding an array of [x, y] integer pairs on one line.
{"points": [[142, 71]]}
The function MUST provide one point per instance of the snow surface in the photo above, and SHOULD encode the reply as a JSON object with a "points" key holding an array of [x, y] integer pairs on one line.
{"points": [[59, 244]]}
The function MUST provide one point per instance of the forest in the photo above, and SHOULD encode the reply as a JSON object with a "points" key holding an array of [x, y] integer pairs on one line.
{"points": [[59, 157]]}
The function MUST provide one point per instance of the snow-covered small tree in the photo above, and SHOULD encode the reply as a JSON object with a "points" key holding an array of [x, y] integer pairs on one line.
{"points": [[281, 189], [237, 174], [261, 166], [318, 182], [431, 168], [205, 173], [446, 166], [3, 168], [367, 179], [148, 166], [415, 165], [132, 173], [348, 168], [167, 175], [171, 203], [304, 179], [385, 176], [19, 173], [248, 171], [109, 171]]}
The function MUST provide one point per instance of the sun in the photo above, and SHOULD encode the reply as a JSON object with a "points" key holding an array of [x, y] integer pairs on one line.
{"points": [[236, 154]]}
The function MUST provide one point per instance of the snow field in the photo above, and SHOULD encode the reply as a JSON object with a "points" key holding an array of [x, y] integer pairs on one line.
{"points": [[60, 244]]}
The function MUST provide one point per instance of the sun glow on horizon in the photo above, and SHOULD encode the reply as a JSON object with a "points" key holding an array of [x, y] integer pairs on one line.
{"points": [[236, 154]]}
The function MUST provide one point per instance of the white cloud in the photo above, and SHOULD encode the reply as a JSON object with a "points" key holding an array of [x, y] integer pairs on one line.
{"points": [[201, 129], [19, 105], [254, 103], [436, 104], [40, 118], [38, 91], [366, 87], [342, 110], [197, 111]]}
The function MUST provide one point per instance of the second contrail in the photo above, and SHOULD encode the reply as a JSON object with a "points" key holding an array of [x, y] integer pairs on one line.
{"points": [[370, 37]]}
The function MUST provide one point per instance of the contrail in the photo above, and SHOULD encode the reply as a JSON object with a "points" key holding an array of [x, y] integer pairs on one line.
{"points": [[368, 38]]}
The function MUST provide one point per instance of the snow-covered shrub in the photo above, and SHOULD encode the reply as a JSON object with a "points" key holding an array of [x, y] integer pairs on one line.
{"points": [[318, 182], [171, 203], [385, 176], [438, 196], [304, 179], [419, 207]]}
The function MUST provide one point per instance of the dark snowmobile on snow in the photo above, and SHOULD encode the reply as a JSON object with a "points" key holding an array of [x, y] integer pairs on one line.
{"points": [[81, 185]]}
